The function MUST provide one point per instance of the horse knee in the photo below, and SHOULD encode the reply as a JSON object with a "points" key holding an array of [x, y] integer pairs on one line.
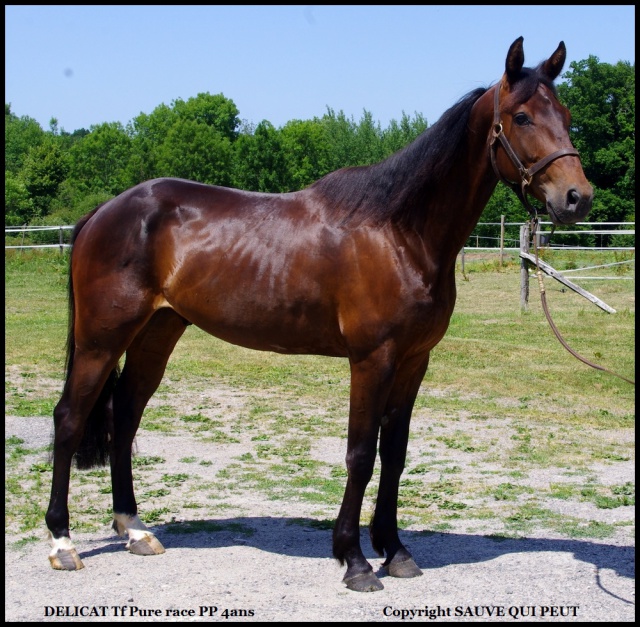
{"points": [[360, 466]]}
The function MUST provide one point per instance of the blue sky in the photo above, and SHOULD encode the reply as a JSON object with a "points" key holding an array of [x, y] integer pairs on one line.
{"points": [[87, 65]]}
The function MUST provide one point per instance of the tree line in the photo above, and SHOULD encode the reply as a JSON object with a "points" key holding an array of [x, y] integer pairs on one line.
{"points": [[54, 177]]}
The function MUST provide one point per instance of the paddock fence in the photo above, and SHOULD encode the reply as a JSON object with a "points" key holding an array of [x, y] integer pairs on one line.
{"points": [[490, 237], [23, 237], [505, 239]]}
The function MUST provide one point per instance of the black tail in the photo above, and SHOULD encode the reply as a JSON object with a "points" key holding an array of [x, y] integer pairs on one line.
{"points": [[94, 447]]}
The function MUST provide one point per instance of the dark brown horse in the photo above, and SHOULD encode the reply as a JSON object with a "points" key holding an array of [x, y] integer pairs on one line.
{"points": [[358, 265]]}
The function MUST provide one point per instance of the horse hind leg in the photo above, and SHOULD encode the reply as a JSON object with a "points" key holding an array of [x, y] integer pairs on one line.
{"points": [[85, 397], [144, 367]]}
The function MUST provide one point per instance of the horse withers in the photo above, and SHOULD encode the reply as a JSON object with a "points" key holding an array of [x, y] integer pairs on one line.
{"points": [[358, 265]]}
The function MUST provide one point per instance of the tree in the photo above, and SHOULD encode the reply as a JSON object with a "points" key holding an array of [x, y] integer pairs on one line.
{"points": [[259, 163], [601, 98], [307, 152], [99, 160], [216, 111], [367, 145], [20, 135], [340, 133], [148, 133], [193, 150], [45, 167], [18, 206], [399, 135]]}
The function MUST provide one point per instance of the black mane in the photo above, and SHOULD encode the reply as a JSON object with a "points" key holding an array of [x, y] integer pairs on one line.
{"points": [[394, 188], [398, 187]]}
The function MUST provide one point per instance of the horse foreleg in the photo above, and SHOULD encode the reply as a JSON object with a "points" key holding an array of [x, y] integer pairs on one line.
{"points": [[394, 437], [370, 383], [145, 363]]}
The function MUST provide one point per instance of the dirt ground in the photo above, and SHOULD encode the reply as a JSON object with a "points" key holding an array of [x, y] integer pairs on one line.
{"points": [[269, 560]]}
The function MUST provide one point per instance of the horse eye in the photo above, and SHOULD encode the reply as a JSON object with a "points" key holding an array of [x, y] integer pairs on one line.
{"points": [[521, 119]]}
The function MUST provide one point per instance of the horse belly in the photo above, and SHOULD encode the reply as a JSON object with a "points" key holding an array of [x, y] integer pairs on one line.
{"points": [[254, 314]]}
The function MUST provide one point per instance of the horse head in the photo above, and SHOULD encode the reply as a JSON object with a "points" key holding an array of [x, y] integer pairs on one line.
{"points": [[534, 153]]}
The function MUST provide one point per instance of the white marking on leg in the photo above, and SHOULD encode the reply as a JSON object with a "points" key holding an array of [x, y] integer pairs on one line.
{"points": [[60, 544], [141, 540], [63, 554], [132, 526]]}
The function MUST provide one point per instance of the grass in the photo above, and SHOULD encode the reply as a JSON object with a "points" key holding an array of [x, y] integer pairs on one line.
{"points": [[502, 400]]}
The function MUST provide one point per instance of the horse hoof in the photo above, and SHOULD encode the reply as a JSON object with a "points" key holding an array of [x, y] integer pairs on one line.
{"points": [[147, 545], [403, 568], [66, 559], [363, 582]]}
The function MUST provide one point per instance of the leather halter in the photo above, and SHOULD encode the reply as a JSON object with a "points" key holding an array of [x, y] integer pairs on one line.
{"points": [[526, 174]]}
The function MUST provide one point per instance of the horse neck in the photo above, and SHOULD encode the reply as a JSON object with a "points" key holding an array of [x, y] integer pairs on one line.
{"points": [[458, 198]]}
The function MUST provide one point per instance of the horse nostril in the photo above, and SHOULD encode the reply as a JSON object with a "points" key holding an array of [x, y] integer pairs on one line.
{"points": [[573, 197]]}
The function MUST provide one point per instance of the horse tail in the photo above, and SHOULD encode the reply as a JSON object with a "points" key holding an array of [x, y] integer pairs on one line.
{"points": [[94, 446]]}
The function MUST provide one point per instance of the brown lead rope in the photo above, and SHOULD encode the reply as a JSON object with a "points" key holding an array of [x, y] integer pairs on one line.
{"points": [[543, 298]]}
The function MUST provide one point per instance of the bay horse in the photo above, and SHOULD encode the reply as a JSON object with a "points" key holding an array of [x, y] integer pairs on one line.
{"points": [[358, 265]]}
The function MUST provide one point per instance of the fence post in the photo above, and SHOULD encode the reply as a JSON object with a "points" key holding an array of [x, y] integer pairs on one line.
{"points": [[61, 241], [524, 270], [501, 241]]}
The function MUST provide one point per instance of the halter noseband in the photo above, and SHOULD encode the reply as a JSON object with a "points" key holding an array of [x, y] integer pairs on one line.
{"points": [[526, 174]]}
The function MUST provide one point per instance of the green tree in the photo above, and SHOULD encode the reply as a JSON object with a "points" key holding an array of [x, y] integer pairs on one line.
{"points": [[148, 132], [20, 135], [99, 161], [398, 135], [45, 167], [503, 202], [195, 151], [215, 111], [307, 152], [367, 145], [259, 163], [601, 98], [340, 133], [18, 206]]}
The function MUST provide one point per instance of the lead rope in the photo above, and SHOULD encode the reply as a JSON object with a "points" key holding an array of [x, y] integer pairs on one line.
{"points": [[543, 298]]}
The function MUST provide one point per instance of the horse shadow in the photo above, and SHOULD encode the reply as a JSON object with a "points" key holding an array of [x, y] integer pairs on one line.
{"points": [[307, 537]]}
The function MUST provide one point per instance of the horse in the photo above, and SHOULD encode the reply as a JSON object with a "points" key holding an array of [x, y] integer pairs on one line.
{"points": [[358, 265]]}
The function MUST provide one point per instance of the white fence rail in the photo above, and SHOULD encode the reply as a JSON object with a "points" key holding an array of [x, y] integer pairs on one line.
{"points": [[499, 243], [504, 243], [23, 230]]}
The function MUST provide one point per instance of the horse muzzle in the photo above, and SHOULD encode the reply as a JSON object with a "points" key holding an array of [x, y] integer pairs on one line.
{"points": [[570, 206]]}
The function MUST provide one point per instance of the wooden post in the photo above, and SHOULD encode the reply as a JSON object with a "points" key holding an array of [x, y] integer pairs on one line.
{"points": [[61, 241], [552, 272], [524, 269], [501, 241]]}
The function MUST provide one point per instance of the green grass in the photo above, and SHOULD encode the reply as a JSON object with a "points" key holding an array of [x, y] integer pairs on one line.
{"points": [[497, 371]]}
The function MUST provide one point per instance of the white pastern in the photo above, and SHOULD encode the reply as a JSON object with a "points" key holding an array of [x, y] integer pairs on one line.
{"points": [[132, 526], [60, 544]]}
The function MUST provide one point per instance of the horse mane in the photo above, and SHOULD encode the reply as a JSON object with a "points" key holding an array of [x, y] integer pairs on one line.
{"points": [[398, 188]]}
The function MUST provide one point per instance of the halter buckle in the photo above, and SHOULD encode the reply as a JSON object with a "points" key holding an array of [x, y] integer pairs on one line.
{"points": [[526, 177]]}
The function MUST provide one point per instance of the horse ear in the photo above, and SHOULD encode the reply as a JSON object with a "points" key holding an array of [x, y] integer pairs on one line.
{"points": [[553, 65], [515, 60]]}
